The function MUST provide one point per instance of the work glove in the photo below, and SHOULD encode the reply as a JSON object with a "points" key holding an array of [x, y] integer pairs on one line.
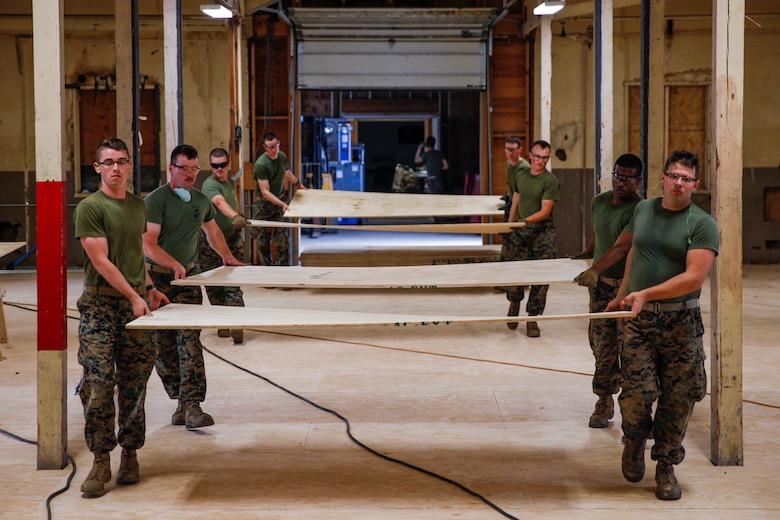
{"points": [[587, 278], [239, 222], [582, 255]]}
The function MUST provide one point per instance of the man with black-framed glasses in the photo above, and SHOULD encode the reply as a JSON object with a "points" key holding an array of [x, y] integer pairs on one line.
{"points": [[177, 213], [535, 190], [674, 246], [612, 213]]}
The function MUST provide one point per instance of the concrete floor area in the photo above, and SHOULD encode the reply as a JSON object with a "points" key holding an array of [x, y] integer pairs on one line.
{"points": [[496, 412]]}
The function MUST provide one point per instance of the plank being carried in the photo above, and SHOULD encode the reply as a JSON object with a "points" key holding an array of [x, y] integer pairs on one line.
{"points": [[350, 204], [187, 316], [10, 247], [461, 227], [487, 274]]}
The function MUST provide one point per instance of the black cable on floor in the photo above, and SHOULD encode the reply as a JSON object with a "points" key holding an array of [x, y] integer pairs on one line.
{"points": [[360, 443], [59, 491]]}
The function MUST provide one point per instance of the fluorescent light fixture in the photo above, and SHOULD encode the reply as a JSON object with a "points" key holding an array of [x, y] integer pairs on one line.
{"points": [[216, 11], [549, 7]]}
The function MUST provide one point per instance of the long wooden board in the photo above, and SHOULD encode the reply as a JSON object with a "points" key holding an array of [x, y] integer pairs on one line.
{"points": [[463, 227], [185, 316], [487, 274], [10, 247], [350, 204]]}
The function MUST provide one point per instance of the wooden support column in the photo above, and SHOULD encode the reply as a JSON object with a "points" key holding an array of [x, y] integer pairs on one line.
{"points": [[656, 120], [174, 134], [545, 76], [123, 42], [48, 45], [604, 95], [728, 32]]}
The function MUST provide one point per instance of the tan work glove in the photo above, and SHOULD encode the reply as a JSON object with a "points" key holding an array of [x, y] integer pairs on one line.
{"points": [[587, 278], [239, 222]]}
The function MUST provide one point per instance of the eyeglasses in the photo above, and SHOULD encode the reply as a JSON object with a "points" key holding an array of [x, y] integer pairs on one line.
{"points": [[109, 163], [624, 178], [187, 169], [271, 146], [217, 166], [674, 177], [510, 150], [543, 158]]}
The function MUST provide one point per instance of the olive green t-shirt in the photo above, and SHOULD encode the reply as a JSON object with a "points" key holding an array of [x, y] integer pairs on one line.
{"points": [[512, 171], [213, 187], [272, 171], [662, 239], [609, 222], [180, 221], [122, 222], [533, 190]]}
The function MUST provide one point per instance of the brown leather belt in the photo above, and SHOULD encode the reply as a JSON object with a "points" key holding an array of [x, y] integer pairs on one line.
{"points": [[104, 290], [154, 268], [657, 307]]}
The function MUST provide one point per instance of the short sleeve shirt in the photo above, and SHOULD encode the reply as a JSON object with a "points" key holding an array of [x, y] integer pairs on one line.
{"points": [[533, 189], [122, 222], [272, 171], [213, 187], [179, 221], [609, 221], [662, 239]]}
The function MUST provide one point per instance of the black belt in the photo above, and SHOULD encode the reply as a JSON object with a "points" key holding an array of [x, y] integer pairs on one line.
{"points": [[154, 268], [539, 225], [104, 290], [657, 307], [614, 282]]}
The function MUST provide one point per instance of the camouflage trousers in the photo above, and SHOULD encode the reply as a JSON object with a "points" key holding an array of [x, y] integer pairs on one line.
{"points": [[529, 244], [663, 358], [605, 338], [179, 353], [209, 259], [112, 356], [264, 210]]}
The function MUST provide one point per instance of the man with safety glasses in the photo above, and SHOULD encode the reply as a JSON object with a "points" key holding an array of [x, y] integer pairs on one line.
{"points": [[674, 246], [220, 188], [612, 213], [535, 191]]}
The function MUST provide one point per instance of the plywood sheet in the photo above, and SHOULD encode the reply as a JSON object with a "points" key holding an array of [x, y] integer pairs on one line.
{"points": [[350, 204], [184, 316], [375, 256], [463, 227], [10, 247], [488, 274]]}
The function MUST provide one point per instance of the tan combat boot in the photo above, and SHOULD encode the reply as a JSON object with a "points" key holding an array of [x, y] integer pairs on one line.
{"points": [[604, 411], [94, 485], [667, 487], [634, 460], [129, 471], [195, 417], [177, 419]]}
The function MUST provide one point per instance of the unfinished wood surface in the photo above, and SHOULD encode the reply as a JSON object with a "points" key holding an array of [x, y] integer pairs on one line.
{"points": [[375, 256], [331, 204], [489, 274], [10, 247], [184, 316], [483, 228]]}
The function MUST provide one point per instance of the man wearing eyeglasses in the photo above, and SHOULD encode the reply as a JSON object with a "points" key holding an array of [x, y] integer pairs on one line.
{"points": [[220, 188], [674, 246], [271, 170], [612, 213], [117, 289], [177, 213], [534, 193]]}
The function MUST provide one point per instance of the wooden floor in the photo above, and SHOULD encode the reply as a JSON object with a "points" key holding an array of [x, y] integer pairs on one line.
{"points": [[499, 413]]}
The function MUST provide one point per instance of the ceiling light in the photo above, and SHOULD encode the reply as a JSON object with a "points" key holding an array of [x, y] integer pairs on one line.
{"points": [[549, 7], [216, 11]]}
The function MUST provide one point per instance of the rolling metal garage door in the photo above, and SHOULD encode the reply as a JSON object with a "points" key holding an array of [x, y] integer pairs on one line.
{"points": [[443, 49]]}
